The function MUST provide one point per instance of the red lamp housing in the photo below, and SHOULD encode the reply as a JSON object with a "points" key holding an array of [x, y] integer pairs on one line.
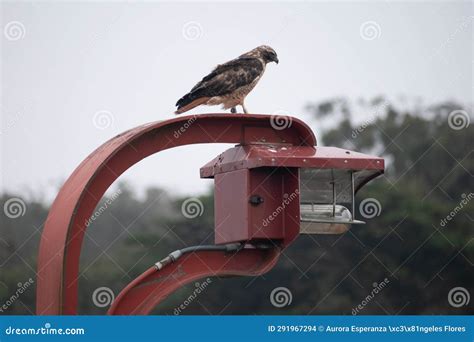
{"points": [[271, 191]]}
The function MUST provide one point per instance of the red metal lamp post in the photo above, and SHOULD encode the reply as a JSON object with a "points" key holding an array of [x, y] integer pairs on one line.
{"points": [[272, 186]]}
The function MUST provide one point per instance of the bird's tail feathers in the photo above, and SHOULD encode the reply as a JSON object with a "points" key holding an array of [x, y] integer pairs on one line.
{"points": [[188, 102]]}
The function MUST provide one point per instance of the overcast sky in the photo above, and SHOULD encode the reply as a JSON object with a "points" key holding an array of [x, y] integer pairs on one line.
{"points": [[64, 64]]}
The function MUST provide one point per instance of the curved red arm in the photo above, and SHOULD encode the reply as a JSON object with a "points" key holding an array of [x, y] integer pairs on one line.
{"points": [[153, 286], [61, 240]]}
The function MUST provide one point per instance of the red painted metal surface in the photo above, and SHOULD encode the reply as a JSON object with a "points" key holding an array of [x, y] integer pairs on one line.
{"points": [[152, 287], [61, 241], [321, 157], [236, 219]]}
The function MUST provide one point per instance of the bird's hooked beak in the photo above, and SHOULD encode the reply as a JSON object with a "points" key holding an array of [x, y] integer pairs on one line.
{"points": [[275, 59]]}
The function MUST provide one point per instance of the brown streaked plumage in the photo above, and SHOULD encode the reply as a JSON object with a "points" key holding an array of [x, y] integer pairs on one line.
{"points": [[229, 83]]}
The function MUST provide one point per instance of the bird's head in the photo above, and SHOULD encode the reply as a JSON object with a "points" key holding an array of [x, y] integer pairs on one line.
{"points": [[264, 52]]}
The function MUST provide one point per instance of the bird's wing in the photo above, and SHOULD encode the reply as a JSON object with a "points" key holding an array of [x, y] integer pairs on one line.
{"points": [[227, 77], [224, 79]]}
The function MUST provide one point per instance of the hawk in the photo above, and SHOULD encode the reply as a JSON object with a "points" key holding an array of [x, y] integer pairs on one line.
{"points": [[229, 83]]}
